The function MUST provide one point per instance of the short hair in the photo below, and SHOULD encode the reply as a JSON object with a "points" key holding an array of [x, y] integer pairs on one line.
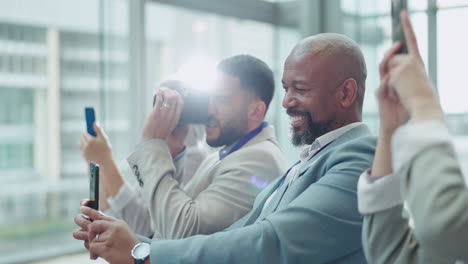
{"points": [[346, 55], [253, 73]]}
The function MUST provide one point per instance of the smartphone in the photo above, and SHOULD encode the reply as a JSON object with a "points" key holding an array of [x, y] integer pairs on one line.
{"points": [[397, 29], [93, 186], [90, 119]]}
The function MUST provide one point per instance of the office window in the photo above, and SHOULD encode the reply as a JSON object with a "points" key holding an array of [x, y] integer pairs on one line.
{"points": [[369, 24], [177, 37], [451, 3], [451, 69], [286, 39], [377, 7], [56, 57], [67, 56], [452, 55]]}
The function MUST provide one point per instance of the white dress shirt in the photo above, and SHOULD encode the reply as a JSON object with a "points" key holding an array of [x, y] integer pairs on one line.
{"points": [[381, 193]]}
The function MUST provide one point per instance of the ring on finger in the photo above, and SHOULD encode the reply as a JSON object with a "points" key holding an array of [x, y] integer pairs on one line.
{"points": [[166, 105], [97, 238]]}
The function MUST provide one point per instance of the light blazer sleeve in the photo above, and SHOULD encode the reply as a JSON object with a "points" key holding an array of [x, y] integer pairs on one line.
{"points": [[439, 213], [130, 206], [437, 197], [434, 189], [228, 197], [386, 235], [314, 228]]}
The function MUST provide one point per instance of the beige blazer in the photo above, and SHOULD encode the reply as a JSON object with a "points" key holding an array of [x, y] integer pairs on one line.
{"points": [[433, 186], [219, 193]]}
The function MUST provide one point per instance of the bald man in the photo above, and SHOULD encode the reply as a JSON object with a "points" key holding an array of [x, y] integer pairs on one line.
{"points": [[310, 214]]}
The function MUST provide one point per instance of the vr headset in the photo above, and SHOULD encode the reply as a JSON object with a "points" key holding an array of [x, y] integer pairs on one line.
{"points": [[195, 102]]}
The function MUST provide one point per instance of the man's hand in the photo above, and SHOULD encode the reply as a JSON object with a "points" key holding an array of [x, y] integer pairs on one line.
{"points": [[83, 222], [165, 115], [409, 79], [97, 149], [108, 237]]}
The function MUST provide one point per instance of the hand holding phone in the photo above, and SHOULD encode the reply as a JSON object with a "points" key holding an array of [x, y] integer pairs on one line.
{"points": [[397, 29], [93, 186], [90, 119]]}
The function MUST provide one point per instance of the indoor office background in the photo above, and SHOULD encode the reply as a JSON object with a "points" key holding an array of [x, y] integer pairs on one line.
{"points": [[58, 56]]}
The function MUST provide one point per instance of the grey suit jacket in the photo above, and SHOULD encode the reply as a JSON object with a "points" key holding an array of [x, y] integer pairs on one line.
{"points": [[314, 220], [434, 188], [219, 193]]}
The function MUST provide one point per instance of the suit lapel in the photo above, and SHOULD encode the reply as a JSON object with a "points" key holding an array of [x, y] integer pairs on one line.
{"points": [[356, 132], [257, 214], [281, 191], [268, 192], [308, 164], [273, 204]]}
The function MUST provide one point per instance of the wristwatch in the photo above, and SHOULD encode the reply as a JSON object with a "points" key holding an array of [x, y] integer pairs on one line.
{"points": [[141, 252]]}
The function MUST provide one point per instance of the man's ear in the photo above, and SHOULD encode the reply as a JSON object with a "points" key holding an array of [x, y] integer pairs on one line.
{"points": [[257, 110], [348, 92]]}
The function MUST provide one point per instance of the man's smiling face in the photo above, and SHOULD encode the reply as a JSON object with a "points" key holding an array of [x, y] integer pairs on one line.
{"points": [[310, 99]]}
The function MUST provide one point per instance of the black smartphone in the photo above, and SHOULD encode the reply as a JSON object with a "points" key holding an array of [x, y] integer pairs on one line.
{"points": [[397, 29], [93, 186], [90, 119]]}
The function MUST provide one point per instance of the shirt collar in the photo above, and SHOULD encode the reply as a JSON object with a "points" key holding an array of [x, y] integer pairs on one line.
{"points": [[325, 139]]}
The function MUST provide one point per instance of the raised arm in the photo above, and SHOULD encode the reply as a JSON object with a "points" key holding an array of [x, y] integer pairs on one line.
{"points": [[424, 165], [99, 150], [228, 195]]}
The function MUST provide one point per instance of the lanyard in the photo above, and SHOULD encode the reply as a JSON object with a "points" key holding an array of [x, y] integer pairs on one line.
{"points": [[243, 140]]}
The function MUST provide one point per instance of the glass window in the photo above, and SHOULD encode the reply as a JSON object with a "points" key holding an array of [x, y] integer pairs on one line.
{"points": [[373, 34], [53, 63], [377, 7], [452, 55], [369, 24], [177, 36], [286, 39], [65, 55], [451, 3], [451, 58]]}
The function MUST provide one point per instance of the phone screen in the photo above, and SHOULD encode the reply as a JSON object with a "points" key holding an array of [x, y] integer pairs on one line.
{"points": [[397, 29], [94, 186]]}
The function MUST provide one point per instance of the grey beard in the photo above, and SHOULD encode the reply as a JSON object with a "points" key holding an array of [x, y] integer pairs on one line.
{"points": [[312, 132]]}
